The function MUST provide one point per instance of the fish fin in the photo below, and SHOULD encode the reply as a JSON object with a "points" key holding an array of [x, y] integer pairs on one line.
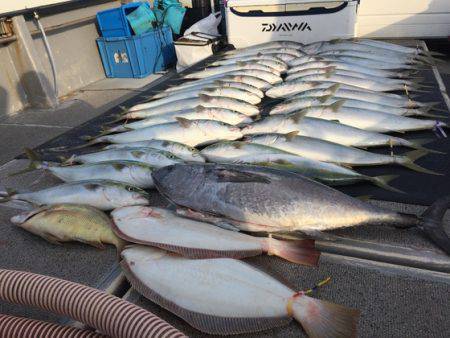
{"points": [[205, 217], [364, 198], [323, 99], [91, 141], [50, 238], [296, 117], [300, 251], [320, 318], [383, 182], [95, 244], [418, 144], [34, 164], [334, 87], [137, 153], [6, 196], [330, 69], [291, 135], [431, 223], [185, 123], [237, 145], [204, 322], [205, 97], [337, 105], [199, 108], [235, 176], [408, 161]]}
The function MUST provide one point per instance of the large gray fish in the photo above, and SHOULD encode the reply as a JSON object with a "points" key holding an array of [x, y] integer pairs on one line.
{"points": [[101, 194], [268, 200], [326, 130], [224, 296], [180, 150], [190, 132], [325, 151], [164, 229]]}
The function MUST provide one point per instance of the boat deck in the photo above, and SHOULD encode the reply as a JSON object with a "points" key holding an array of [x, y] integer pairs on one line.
{"points": [[397, 278]]}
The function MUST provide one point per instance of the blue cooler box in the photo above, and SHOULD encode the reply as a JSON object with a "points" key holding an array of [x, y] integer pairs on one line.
{"points": [[137, 56]]}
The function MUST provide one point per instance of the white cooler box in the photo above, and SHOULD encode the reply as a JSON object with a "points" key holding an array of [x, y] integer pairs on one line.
{"points": [[250, 22]]}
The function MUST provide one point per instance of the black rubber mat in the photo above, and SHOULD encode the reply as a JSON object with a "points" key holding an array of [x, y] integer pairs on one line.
{"points": [[419, 188]]}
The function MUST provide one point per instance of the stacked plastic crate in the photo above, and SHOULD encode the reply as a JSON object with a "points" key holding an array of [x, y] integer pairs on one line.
{"points": [[132, 43]]}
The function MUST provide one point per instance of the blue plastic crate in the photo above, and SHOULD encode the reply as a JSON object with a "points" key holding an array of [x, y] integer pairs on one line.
{"points": [[137, 56], [113, 22]]}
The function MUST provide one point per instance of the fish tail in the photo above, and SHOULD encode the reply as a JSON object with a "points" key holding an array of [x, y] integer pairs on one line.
{"points": [[35, 163], [383, 182], [320, 318], [117, 118], [408, 161], [298, 251], [419, 145], [431, 223], [431, 53]]}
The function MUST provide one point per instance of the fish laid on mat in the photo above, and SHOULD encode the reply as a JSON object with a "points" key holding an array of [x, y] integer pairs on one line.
{"points": [[238, 65], [327, 130], [141, 111], [255, 153], [164, 229], [149, 156], [190, 132], [322, 150], [180, 150], [69, 222], [135, 173], [267, 200], [101, 194], [198, 113], [370, 119], [227, 296], [220, 83]]}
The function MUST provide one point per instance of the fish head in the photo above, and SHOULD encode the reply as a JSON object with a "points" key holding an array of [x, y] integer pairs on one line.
{"points": [[123, 194], [135, 211], [140, 253], [21, 218]]}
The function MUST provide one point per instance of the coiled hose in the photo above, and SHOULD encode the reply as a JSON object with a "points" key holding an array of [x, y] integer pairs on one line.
{"points": [[110, 315]]}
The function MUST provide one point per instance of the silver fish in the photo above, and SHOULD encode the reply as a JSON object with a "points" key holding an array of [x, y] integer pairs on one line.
{"points": [[135, 173], [100, 194], [190, 132], [326, 151], [180, 150], [268, 45], [215, 84], [140, 111], [388, 99], [291, 88], [267, 200], [272, 50], [164, 229], [150, 156], [267, 60], [297, 103], [239, 65], [369, 119], [227, 296], [198, 113], [325, 130]]}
